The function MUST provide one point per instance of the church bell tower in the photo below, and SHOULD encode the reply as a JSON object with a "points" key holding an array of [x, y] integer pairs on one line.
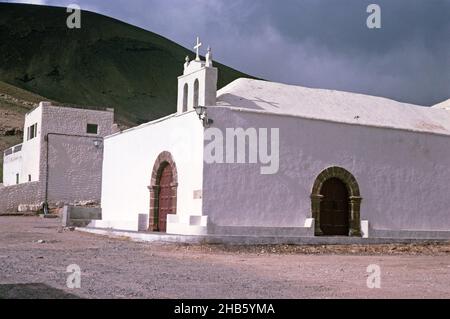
{"points": [[198, 84]]}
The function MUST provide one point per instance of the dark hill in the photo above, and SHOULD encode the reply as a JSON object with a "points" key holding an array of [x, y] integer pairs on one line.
{"points": [[106, 63]]}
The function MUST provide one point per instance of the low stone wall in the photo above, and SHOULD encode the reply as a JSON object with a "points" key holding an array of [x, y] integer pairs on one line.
{"points": [[31, 196], [13, 196]]}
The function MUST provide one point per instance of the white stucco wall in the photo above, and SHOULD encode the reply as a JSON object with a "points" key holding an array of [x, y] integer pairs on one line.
{"points": [[128, 163], [28, 161], [31, 149], [403, 176]]}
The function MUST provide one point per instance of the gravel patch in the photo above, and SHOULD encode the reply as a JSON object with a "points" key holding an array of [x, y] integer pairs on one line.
{"points": [[35, 254]]}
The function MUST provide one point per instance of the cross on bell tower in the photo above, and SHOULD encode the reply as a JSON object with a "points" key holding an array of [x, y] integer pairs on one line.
{"points": [[197, 49], [198, 84]]}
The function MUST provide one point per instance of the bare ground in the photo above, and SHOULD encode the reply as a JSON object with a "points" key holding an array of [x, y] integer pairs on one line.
{"points": [[34, 257]]}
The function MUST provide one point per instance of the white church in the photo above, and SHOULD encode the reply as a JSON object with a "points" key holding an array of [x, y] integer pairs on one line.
{"points": [[259, 158]]}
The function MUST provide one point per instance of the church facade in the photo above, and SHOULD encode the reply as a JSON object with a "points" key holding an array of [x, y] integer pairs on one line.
{"points": [[266, 159]]}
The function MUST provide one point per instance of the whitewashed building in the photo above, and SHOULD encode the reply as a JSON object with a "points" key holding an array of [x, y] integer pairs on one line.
{"points": [[60, 159], [269, 159]]}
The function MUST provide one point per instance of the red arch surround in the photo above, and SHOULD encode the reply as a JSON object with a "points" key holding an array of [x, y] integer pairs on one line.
{"points": [[164, 159]]}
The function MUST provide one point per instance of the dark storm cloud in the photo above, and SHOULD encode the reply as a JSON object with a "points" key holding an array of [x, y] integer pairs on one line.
{"points": [[319, 43], [341, 24]]}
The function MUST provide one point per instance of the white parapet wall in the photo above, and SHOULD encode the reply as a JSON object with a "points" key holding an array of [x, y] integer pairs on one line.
{"points": [[12, 165]]}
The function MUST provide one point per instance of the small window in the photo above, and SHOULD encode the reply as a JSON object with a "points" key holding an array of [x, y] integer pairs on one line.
{"points": [[32, 132], [29, 178], [8, 152], [196, 93], [185, 97], [92, 129], [17, 179]]}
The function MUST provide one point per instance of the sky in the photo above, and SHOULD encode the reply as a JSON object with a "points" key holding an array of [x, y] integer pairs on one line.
{"points": [[313, 43]]}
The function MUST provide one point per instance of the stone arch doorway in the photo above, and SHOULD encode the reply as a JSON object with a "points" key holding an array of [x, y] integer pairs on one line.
{"points": [[163, 192], [336, 203]]}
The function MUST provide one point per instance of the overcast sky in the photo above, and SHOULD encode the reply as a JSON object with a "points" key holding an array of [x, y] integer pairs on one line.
{"points": [[316, 43]]}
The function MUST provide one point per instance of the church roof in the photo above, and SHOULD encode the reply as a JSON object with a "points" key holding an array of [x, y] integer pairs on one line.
{"points": [[444, 105], [336, 106]]}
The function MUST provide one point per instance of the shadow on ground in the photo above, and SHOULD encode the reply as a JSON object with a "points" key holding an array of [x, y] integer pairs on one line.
{"points": [[33, 291]]}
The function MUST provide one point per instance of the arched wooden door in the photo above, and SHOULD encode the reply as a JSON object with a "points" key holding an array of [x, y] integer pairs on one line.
{"points": [[165, 197], [163, 191], [334, 209]]}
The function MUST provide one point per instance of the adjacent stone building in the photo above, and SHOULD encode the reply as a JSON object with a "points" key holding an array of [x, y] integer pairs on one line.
{"points": [[60, 159]]}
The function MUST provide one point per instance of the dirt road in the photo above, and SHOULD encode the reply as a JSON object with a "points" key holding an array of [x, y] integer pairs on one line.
{"points": [[34, 258]]}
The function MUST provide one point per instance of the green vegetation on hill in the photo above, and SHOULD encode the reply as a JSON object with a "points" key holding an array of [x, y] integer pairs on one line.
{"points": [[23, 98], [106, 63]]}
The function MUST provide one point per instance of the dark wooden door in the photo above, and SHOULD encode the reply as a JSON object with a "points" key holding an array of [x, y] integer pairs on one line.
{"points": [[165, 198], [334, 208]]}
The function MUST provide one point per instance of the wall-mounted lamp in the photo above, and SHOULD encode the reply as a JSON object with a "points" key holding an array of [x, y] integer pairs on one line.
{"points": [[203, 115], [97, 143]]}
